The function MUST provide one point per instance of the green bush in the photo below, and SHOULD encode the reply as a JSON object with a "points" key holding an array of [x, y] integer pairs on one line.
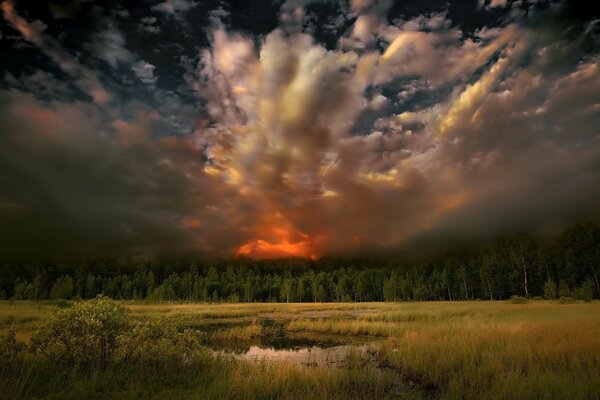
{"points": [[550, 290], [82, 335], [586, 291], [518, 300], [158, 346], [567, 300], [10, 347]]}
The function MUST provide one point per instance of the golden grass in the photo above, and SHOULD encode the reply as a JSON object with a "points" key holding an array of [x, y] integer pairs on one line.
{"points": [[285, 381], [22, 316], [533, 360], [466, 350], [344, 327], [247, 332]]}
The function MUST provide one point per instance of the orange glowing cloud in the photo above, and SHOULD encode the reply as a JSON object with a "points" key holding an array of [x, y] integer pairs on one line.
{"points": [[263, 249], [447, 204], [28, 31], [277, 237]]}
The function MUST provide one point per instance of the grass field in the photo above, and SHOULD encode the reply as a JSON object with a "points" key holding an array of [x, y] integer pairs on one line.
{"points": [[456, 350]]}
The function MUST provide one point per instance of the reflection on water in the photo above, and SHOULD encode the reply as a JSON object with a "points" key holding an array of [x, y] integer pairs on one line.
{"points": [[300, 348], [338, 356], [275, 344], [312, 356]]}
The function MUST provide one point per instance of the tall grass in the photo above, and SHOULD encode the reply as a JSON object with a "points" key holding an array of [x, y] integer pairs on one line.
{"points": [[540, 360], [344, 327], [462, 350], [247, 332], [218, 378]]}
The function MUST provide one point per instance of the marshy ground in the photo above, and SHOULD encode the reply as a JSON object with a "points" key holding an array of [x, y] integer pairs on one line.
{"points": [[441, 350]]}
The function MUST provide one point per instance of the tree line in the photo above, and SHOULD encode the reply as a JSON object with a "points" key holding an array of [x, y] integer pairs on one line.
{"points": [[518, 265]]}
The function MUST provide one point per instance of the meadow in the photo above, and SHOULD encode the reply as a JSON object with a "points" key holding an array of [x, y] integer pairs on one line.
{"points": [[438, 350]]}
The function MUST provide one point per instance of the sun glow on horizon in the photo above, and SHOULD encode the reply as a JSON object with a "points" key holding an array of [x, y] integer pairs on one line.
{"points": [[263, 249], [277, 236]]}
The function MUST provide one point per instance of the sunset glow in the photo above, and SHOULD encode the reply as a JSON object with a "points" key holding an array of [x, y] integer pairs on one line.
{"points": [[297, 128], [263, 249], [253, 199]]}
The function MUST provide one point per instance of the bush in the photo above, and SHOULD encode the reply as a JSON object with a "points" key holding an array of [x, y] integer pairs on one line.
{"points": [[586, 291], [82, 335], [563, 289], [10, 347], [550, 290], [62, 303], [518, 300], [567, 300], [158, 346]]}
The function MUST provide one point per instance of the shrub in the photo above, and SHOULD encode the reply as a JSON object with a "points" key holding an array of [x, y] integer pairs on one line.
{"points": [[10, 347], [83, 335], [563, 289], [518, 300], [158, 346], [550, 290], [567, 300], [586, 291], [62, 303]]}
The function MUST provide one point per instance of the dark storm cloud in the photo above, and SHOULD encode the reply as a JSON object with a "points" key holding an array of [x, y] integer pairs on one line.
{"points": [[73, 185], [294, 128]]}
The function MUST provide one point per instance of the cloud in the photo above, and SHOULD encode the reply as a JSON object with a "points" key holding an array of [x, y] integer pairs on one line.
{"points": [[145, 72], [286, 141], [148, 25], [173, 7], [74, 184], [85, 78], [489, 4], [405, 132], [109, 45]]}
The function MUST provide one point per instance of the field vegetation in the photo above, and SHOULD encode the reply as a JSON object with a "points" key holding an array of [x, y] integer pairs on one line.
{"points": [[444, 350]]}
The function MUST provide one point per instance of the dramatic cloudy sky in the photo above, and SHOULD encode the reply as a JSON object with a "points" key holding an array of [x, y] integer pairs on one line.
{"points": [[298, 127]]}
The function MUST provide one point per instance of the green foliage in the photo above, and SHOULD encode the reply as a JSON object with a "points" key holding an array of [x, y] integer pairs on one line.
{"points": [[158, 347], [23, 290], [563, 289], [515, 265], [390, 288], [10, 347], [85, 334], [586, 291], [62, 288], [567, 300], [550, 290], [518, 300]]}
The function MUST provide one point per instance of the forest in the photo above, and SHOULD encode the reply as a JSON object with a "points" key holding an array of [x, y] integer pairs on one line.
{"points": [[517, 265]]}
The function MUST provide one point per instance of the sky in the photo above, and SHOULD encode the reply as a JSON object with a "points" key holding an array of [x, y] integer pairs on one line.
{"points": [[293, 128]]}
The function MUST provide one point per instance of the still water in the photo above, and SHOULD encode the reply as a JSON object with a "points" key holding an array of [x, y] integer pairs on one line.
{"points": [[311, 356]]}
